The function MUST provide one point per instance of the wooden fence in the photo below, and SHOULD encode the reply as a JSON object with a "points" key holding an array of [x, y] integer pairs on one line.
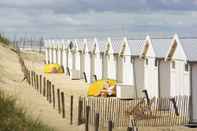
{"points": [[124, 113], [110, 112], [66, 106]]}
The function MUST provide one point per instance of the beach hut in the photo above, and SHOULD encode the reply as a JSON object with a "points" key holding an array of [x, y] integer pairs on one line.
{"points": [[70, 56], [50, 52], [65, 54], [47, 57], [171, 58], [54, 48], [111, 58], [60, 52], [97, 50], [190, 47], [86, 59], [78, 56], [125, 65], [145, 69]]}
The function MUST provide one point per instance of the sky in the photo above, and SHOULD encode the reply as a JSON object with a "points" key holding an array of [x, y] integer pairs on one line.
{"points": [[97, 18]]}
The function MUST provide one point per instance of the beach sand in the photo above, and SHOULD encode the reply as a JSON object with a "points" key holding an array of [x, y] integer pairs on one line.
{"points": [[35, 104]]}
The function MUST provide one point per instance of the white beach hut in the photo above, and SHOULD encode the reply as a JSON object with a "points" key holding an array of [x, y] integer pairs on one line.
{"points": [[50, 52], [54, 48], [70, 56], [144, 67], [125, 65], [190, 48], [111, 58], [97, 50], [86, 57], [60, 52], [47, 57], [65, 54], [172, 79], [78, 56]]}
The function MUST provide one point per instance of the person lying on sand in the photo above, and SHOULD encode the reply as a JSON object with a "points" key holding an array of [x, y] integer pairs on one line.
{"points": [[108, 90]]}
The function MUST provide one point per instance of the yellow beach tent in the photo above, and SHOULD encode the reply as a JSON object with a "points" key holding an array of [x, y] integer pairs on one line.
{"points": [[95, 88], [53, 68]]}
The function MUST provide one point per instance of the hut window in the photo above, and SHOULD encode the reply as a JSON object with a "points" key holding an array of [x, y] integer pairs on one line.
{"points": [[173, 64], [146, 61], [186, 67], [156, 62]]}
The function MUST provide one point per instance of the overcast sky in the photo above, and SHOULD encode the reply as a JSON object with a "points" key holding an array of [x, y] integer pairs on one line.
{"points": [[102, 18]]}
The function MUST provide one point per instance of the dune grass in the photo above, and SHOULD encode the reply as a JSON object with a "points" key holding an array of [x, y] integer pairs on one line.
{"points": [[14, 118], [4, 40]]}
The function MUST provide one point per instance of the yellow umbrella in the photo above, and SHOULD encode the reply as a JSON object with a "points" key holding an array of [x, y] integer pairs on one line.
{"points": [[95, 88]]}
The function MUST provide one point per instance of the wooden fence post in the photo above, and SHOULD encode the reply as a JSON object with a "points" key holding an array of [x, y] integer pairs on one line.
{"points": [[87, 118], [44, 86], [147, 96], [95, 77], [129, 129], [85, 77], [58, 100], [47, 91], [40, 84], [97, 122], [63, 104], [50, 98], [71, 110], [110, 125], [175, 106], [37, 85], [68, 71], [80, 106], [53, 90], [34, 77]]}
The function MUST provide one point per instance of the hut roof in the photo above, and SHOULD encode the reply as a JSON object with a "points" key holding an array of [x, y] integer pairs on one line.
{"points": [[190, 48], [101, 45], [116, 45], [161, 47], [136, 47], [79, 43]]}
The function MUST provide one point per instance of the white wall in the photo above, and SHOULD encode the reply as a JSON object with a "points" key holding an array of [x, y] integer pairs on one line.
{"points": [[104, 66], [128, 74], [70, 60], [50, 56], [77, 61], [111, 67], [60, 56], [139, 75], [194, 92], [81, 64], [125, 70], [151, 77], [96, 66], [164, 78], [179, 79], [87, 66], [64, 59], [47, 55], [55, 56]]}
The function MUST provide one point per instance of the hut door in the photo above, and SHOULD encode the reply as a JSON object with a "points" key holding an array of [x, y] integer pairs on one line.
{"points": [[194, 91]]}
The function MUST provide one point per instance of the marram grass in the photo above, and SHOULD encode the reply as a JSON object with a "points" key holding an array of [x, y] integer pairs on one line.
{"points": [[14, 118]]}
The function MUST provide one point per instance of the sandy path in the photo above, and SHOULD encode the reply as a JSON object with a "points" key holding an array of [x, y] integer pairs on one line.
{"points": [[35, 104]]}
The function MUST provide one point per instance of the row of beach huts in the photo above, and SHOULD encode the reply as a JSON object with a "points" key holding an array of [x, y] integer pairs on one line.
{"points": [[165, 67]]}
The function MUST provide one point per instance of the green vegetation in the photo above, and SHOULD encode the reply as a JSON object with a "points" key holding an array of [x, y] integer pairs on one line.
{"points": [[13, 118], [4, 40]]}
